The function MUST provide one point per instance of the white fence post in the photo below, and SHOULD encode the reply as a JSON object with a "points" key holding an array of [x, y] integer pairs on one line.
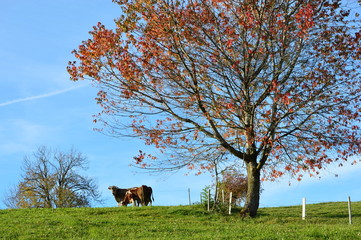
{"points": [[349, 210], [189, 196], [209, 199], [230, 203], [303, 208]]}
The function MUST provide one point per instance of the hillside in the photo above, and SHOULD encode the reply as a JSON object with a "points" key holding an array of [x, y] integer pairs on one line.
{"points": [[324, 221]]}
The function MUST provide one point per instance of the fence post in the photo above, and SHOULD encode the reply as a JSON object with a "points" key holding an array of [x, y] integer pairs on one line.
{"points": [[230, 203], [209, 199], [189, 196], [303, 208], [222, 196], [349, 210]]}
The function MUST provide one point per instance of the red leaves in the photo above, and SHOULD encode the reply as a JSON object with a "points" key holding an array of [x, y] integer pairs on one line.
{"points": [[276, 174], [229, 43], [253, 78], [230, 106], [190, 166], [288, 167], [304, 18], [73, 71], [286, 98], [139, 159]]}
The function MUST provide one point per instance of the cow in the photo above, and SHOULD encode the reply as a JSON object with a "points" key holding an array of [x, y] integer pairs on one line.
{"points": [[131, 197], [148, 195], [118, 193], [142, 195]]}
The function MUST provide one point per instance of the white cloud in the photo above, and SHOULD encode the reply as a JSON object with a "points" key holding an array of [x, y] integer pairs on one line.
{"points": [[40, 96]]}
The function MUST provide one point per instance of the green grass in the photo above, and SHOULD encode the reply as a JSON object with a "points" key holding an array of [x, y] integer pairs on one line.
{"points": [[324, 221]]}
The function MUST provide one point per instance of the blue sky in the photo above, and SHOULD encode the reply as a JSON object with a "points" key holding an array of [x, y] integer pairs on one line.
{"points": [[39, 105]]}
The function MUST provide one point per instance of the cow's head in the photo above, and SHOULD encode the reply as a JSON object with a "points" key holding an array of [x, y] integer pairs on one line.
{"points": [[113, 188]]}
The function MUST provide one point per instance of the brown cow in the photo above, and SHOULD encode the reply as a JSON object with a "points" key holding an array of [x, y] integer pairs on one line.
{"points": [[142, 195], [118, 193], [131, 197]]}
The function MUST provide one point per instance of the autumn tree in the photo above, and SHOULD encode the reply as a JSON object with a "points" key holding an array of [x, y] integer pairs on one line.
{"points": [[235, 182], [272, 83], [52, 180], [230, 180]]}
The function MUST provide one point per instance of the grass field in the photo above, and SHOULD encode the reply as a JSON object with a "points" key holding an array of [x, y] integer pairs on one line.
{"points": [[324, 221]]}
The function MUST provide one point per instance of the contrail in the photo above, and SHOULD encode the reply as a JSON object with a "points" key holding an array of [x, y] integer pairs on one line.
{"points": [[41, 96]]}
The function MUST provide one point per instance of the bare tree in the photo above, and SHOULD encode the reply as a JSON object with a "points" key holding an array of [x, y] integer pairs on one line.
{"points": [[10, 197], [51, 179]]}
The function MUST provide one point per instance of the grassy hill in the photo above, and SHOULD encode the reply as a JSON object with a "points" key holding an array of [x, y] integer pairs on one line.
{"points": [[324, 221]]}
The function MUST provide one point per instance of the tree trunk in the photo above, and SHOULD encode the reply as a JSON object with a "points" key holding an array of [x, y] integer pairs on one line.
{"points": [[253, 191]]}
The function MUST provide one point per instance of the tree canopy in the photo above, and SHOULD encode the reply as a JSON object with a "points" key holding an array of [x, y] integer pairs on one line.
{"points": [[52, 180], [274, 84]]}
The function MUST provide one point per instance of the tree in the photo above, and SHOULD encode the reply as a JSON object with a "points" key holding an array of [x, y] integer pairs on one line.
{"points": [[51, 180], [234, 181], [273, 84], [10, 197], [227, 178]]}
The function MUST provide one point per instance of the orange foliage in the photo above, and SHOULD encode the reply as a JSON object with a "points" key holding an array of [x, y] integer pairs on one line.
{"points": [[275, 83]]}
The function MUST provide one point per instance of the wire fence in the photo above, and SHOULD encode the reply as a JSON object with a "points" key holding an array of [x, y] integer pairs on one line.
{"points": [[221, 198], [349, 208], [187, 196]]}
